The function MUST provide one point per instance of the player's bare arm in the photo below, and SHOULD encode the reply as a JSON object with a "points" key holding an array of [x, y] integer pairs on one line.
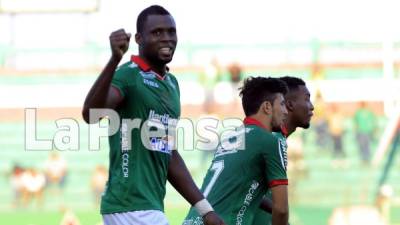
{"points": [[102, 94], [266, 205], [181, 180], [280, 205]]}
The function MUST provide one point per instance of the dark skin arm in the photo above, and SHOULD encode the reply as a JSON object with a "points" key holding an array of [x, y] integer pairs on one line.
{"points": [[102, 94], [266, 205], [181, 180], [280, 205]]}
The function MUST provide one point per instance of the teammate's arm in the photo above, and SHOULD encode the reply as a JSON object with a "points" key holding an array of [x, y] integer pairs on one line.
{"points": [[266, 205], [181, 180], [102, 94], [275, 168], [280, 206]]}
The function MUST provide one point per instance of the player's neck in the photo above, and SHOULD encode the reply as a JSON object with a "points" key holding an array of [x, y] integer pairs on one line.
{"points": [[290, 127], [264, 120], [159, 69]]}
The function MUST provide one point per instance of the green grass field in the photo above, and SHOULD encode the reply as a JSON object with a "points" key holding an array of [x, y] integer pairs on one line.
{"points": [[299, 215]]}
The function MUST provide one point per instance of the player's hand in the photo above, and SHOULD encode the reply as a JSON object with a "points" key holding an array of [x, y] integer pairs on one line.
{"points": [[211, 218], [119, 42]]}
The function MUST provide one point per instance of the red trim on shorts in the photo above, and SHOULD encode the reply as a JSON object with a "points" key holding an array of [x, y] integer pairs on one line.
{"points": [[252, 121], [278, 182]]}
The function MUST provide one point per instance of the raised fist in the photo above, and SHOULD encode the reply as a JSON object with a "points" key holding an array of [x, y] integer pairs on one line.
{"points": [[119, 42]]}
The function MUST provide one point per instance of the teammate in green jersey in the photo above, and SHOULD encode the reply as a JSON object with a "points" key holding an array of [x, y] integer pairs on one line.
{"points": [[145, 94], [239, 177], [300, 110]]}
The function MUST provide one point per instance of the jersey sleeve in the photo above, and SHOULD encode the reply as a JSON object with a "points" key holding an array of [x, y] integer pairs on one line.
{"points": [[179, 91], [175, 81], [120, 80], [275, 169]]}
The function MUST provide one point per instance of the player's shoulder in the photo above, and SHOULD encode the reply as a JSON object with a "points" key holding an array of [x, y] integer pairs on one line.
{"points": [[260, 137], [126, 70], [253, 130], [279, 135], [172, 77], [132, 73], [128, 67]]}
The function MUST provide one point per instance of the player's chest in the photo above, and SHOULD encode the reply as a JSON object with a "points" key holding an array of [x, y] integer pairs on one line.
{"points": [[155, 93]]}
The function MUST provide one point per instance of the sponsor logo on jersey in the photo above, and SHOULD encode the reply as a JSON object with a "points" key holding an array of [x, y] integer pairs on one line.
{"points": [[153, 116], [124, 137], [165, 119], [125, 164], [197, 221], [148, 79], [147, 75], [161, 144], [125, 149], [247, 201], [283, 152], [164, 122], [151, 83]]}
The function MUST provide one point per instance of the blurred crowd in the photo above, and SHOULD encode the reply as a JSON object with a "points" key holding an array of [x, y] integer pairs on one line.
{"points": [[329, 128], [330, 122], [29, 185]]}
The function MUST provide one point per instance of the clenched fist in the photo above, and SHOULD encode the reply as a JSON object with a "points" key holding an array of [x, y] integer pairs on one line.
{"points": [[119, 42]]}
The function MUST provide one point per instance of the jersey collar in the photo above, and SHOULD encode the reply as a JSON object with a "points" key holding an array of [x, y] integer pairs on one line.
{"points": [[145, 67], [284, 130], [252, 121]]}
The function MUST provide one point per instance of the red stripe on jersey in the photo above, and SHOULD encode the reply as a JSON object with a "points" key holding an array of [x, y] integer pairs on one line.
{"points": [[252, 121], [144, 66], [284, 130], [141, 63], [278, 182]]}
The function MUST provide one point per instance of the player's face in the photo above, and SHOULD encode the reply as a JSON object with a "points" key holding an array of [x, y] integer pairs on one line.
{"points": [[279, 112], [159, 39], [302, 108]]}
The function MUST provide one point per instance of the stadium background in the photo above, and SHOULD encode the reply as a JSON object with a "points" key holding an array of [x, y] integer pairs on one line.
{"points": [[349, 51]]}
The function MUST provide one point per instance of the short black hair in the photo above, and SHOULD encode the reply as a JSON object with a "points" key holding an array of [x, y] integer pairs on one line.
{"points": [[151, 10], [293, 83], [256, 90]]}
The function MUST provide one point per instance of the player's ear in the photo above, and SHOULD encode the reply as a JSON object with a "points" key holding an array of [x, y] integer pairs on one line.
{"points": [[289, 104], [138, 38], [266, 107]]}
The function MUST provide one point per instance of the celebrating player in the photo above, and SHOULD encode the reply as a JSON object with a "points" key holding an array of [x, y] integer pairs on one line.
{"points": [[143, 89]]}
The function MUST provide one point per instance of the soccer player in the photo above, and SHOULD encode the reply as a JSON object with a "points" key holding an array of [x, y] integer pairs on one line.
{"points": [[143, 89], [240, 175], [300, 110]]}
